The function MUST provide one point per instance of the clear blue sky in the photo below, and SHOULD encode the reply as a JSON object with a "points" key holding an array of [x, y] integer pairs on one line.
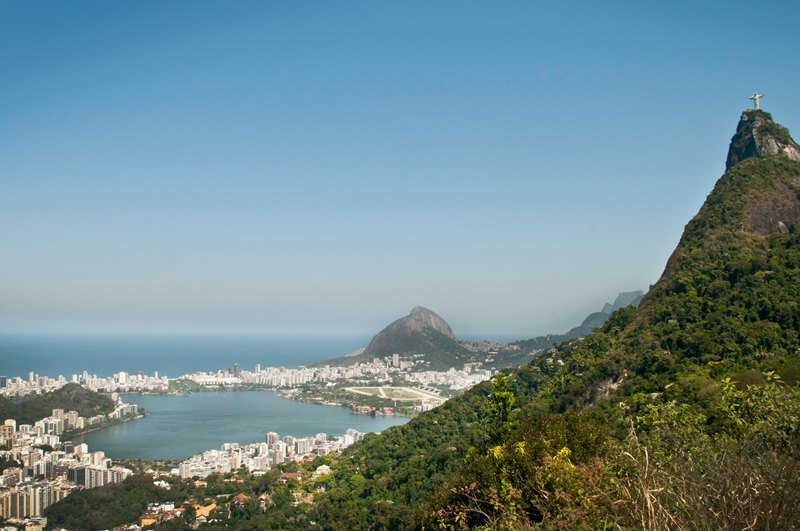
{"points": [[326, 166]]}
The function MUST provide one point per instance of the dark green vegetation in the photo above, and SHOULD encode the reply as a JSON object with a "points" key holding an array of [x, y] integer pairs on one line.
{"points": [[681, 414], [184, 387], [71, 397], [6, 463], [111, 505], [125, 503], [674, 466]]}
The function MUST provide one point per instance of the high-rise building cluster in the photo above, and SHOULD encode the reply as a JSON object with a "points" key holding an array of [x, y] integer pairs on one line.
{"points": [[121, 382], [263, 456], [390, 368], [41, 469]]}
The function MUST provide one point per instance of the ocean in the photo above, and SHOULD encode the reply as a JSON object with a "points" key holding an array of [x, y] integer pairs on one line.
{"points": [[171, 355]]}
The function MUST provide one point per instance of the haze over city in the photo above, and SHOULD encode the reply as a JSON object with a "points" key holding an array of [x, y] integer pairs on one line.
{"points": [[324, 167]]}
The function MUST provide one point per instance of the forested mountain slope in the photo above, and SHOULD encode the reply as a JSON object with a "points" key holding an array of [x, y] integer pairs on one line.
{"points": [[727, 305]]}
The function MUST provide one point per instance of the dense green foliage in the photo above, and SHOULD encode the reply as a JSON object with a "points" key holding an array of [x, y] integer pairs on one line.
{"points": [[391, 475], [6, 463], [71, 397], [735, 467], [676, 469], [107, 506]]}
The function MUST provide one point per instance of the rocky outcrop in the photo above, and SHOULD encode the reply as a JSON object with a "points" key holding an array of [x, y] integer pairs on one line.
{"points": [[422, 334], [757, 135], [774, 210], [418, 321]]}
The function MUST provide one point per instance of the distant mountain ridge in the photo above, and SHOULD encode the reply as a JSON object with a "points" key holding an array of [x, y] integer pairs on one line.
{"points": [[423, 332], [595, 320], [591, 322]]}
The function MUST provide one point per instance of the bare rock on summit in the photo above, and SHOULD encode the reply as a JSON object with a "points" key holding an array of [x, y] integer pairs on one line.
{"points": [[757, 135], [418, 321], [422, 334], [776, 208], [428, 319]]}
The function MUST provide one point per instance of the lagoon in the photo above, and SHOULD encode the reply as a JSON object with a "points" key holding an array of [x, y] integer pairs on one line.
{"points": [[177, 427]]}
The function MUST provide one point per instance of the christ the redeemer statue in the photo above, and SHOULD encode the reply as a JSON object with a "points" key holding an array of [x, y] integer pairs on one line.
{"points": [[756, 97]]}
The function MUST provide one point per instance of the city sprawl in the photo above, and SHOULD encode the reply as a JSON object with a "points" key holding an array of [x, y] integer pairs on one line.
{"points": [[45, 468]]}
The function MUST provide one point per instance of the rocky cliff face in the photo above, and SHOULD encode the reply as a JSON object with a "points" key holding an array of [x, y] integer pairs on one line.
{"points": [[760, 192], [418, 321], [421, 333], [757, 135]]}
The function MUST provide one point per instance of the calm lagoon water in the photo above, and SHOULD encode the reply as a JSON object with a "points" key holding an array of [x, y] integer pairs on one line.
{"points": [[179, 426]]}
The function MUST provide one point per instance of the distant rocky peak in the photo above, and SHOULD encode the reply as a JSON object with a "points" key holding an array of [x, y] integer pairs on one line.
{"points": [[757, 135], [430, 319], [624, 299], [420, 312], [628, 298]]}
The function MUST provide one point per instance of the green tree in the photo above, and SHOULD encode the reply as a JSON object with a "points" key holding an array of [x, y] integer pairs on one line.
{"points": [[501, 400]]}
